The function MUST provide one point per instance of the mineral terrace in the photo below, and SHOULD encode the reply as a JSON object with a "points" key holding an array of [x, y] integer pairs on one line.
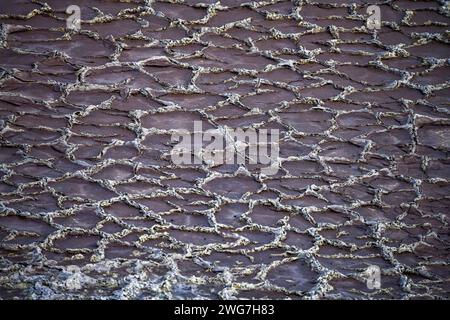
{"points": [[91, 205]]}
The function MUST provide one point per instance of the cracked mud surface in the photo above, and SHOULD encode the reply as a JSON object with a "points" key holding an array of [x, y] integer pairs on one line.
{"points": [[93, 207]]}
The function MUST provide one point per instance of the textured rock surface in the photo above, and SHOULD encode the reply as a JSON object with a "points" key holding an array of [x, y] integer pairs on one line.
{"points": [[92, 206]]}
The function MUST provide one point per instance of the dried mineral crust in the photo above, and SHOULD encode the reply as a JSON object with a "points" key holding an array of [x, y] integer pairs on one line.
{"points": [[91, 205]]}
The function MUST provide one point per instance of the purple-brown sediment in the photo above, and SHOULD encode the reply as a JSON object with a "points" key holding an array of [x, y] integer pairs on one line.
{"points": [[93, 207]]}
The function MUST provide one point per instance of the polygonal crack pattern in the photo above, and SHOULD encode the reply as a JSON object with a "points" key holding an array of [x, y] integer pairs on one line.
{"points": [[93, 207]]}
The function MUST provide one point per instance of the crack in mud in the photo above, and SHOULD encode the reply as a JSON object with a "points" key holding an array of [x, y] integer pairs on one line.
{"points": [[92, 206]]}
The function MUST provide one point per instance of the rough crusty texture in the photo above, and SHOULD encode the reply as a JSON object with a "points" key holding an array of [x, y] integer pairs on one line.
{"points": [[93, 207]]}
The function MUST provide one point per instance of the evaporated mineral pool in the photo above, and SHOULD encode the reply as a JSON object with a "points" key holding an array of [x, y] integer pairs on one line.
{"points": [[91, 205]]}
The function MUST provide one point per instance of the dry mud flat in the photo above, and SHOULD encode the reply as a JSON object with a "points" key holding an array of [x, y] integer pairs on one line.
{"points": [[93, 207]]}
